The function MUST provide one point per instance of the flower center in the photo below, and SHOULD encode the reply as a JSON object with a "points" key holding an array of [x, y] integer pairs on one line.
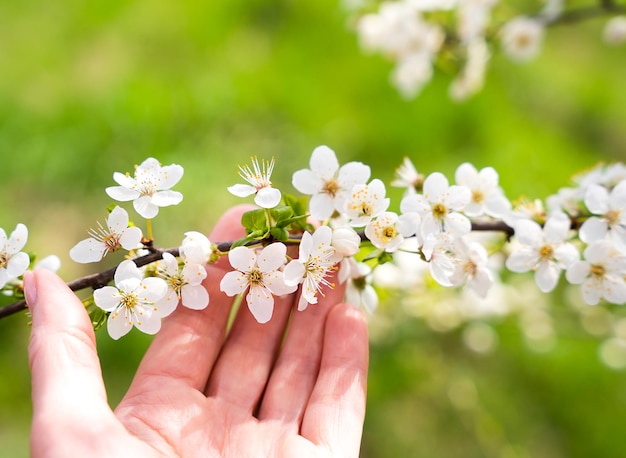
{"points": [[365, 209], [255, 277], [470, 268], [439, 211], [129, 300], [478, 196], [523, 40], [597, 270], [112, 241], [4, 259], [147, 187], [331, 187], [612, 217], [389, 232], [546, 252], [259, 175], [177, 282]]}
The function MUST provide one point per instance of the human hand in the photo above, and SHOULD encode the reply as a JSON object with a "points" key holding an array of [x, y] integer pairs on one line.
{"points": [[294, 386]]}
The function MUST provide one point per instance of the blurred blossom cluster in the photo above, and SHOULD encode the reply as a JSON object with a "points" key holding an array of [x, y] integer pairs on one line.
{"points": [[460, 36]]}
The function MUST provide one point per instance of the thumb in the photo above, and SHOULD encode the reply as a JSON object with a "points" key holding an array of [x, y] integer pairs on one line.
{"points": [[66, 376]]}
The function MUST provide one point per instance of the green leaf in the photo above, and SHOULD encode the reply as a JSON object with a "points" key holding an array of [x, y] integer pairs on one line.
{"points": [[255, 221], [281, 213], [279, 234]]}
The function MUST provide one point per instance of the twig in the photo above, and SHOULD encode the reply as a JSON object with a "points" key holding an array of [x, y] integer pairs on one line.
{"points": [[100, 279]]}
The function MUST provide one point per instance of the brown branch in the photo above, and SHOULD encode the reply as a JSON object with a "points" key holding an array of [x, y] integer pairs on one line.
{"points": [[101, 279]]}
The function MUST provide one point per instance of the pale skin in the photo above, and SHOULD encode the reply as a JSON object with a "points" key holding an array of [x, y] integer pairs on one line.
{"points": [[256, 391]]}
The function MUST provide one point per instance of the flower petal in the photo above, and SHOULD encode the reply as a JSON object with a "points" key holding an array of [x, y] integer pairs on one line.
{"points": [[522, 260], [17, 265], [144, 206], [267, 197], [272, 257], [17, 240], [324, 162], [435, 185], [261, 303], [117, 220], [153, 289], [547, 276], [596, 199], [118, 325], [130, 238], [321, 206], [149, 323], [242, 190], [88, 250], [107, 298], [195, 297], [233, 283], [242, 258], [170, 175], [593, 229], [127, 270], [167, 198], [294, 272], [121, 193]]}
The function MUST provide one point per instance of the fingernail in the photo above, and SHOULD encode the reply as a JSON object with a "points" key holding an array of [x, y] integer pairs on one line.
{"points": [[30, 288]]}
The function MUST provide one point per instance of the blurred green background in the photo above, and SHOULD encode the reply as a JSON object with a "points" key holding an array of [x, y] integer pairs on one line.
{"points": [[89, 88]]}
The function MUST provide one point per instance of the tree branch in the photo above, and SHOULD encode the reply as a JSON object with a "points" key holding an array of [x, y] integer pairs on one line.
{"points": [[101, 279]]}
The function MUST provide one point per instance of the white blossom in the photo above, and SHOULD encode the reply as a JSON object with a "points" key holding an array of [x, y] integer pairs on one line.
{"points": [[486, 195], [408, 177], [522, 38], [601, 273], [328, 184], [196, 248], [437, 250], [543, 250], [259, 185], [471, 266], [13, 262], [359, 290], [610, 208], [117, 234], [149, 189], [615, 30], [133, 301], [184, 283], [388, 230], [398, 29], [345, 241], [366, 201], [261, 274], [316, 261], [439, 206]]}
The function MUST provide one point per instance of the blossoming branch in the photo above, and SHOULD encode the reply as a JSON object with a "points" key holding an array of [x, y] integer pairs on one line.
{"points": [[346, 228]]}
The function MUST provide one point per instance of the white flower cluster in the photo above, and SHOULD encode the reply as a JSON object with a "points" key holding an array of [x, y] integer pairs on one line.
{"points": [[446, 230], [418, 34], [141, 298]]}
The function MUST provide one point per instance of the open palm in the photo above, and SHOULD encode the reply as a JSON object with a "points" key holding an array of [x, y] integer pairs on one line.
{"points": [[256, 390]]}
